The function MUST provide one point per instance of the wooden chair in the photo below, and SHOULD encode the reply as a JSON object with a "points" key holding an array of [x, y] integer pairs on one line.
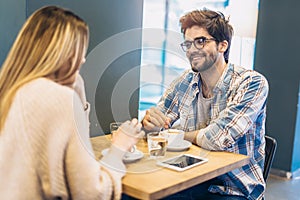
{"points": [[270, 150]]}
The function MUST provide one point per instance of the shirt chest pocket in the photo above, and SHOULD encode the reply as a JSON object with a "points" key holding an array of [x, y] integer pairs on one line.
{"points": [[215, 110], [188, 121]]}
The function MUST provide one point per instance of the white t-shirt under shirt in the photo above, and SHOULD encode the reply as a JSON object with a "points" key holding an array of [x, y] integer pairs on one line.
{"points": [[204, 109]]}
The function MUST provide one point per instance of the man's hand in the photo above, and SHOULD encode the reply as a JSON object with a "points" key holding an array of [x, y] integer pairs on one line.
{"points": [[155, 120]]}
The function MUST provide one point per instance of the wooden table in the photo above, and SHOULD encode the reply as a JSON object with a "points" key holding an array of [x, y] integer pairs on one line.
{"points": [[145, 180]]}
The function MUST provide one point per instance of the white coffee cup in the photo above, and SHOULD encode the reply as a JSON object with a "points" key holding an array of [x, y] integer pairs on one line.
{"points": [[175, 136]]}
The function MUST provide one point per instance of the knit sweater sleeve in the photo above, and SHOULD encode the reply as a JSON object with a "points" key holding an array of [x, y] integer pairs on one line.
{"points": [[87, 178]]}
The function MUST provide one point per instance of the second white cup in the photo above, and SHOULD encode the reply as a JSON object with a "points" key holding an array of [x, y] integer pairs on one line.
{"points": [[175, 137]]}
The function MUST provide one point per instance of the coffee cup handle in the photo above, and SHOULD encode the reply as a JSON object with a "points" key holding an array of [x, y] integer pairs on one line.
{"points": [[132, 149]]}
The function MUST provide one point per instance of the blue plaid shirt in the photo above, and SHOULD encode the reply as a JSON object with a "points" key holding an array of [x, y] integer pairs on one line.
{"points": [[236, 124]]}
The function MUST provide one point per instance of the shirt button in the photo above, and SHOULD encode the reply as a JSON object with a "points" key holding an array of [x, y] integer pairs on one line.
{"points": [[227, 142]]}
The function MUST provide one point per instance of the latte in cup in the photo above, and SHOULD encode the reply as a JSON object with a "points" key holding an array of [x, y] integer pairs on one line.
{"points": [[175, 137]]}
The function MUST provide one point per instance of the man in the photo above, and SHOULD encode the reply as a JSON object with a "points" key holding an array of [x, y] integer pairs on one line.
{"points": [[221, 107]]}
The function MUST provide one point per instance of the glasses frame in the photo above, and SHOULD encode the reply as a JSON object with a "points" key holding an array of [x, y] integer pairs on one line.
{"points": [[186, 47]]}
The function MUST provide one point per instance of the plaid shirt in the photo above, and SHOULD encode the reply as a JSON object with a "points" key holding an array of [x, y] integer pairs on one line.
{"points": [[236, 124]]}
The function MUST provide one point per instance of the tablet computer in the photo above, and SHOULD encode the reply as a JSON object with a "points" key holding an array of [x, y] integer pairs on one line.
{"points": [[182, 162]]}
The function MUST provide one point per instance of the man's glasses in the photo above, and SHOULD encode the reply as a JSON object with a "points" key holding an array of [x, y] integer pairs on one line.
{"points": [[198, 43]]}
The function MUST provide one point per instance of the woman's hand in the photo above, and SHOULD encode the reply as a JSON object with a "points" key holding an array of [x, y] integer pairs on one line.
{"points": [[128, 134]]}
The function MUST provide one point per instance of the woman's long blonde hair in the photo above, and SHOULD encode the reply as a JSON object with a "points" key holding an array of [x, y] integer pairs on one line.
{"points": [[51, 37]]}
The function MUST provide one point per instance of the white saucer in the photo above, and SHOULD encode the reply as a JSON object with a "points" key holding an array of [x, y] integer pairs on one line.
{"points": [[129, 157], [180, 147]]}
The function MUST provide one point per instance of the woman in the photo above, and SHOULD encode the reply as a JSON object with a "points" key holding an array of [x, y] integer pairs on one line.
{"points": [[45, 152]]}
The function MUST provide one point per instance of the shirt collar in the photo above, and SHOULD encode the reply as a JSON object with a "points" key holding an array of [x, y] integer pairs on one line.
{"points": [[224, 81]]}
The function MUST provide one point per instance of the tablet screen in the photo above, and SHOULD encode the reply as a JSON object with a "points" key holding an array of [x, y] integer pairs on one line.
{"points": [[183, 161]]}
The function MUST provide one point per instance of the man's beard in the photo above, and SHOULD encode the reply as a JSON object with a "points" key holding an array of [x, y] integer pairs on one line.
{"points": [[205, 65]]}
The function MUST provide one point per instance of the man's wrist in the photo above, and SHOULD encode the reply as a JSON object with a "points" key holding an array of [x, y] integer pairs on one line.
{"points": [[192, 136], [199, 137]]}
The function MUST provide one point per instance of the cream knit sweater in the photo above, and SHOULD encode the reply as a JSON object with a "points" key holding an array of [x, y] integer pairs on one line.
{"points": [[45, 151]]}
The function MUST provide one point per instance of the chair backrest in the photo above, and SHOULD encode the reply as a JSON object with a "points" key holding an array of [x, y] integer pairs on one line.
{"points": [[270, 149]]}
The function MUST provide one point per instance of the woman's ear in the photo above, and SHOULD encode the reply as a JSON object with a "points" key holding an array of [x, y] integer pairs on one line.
{"points": [[222, 46]]}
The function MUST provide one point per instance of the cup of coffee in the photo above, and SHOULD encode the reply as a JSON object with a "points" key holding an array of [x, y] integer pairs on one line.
{"points": [[157, 144], [175, 137]]}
